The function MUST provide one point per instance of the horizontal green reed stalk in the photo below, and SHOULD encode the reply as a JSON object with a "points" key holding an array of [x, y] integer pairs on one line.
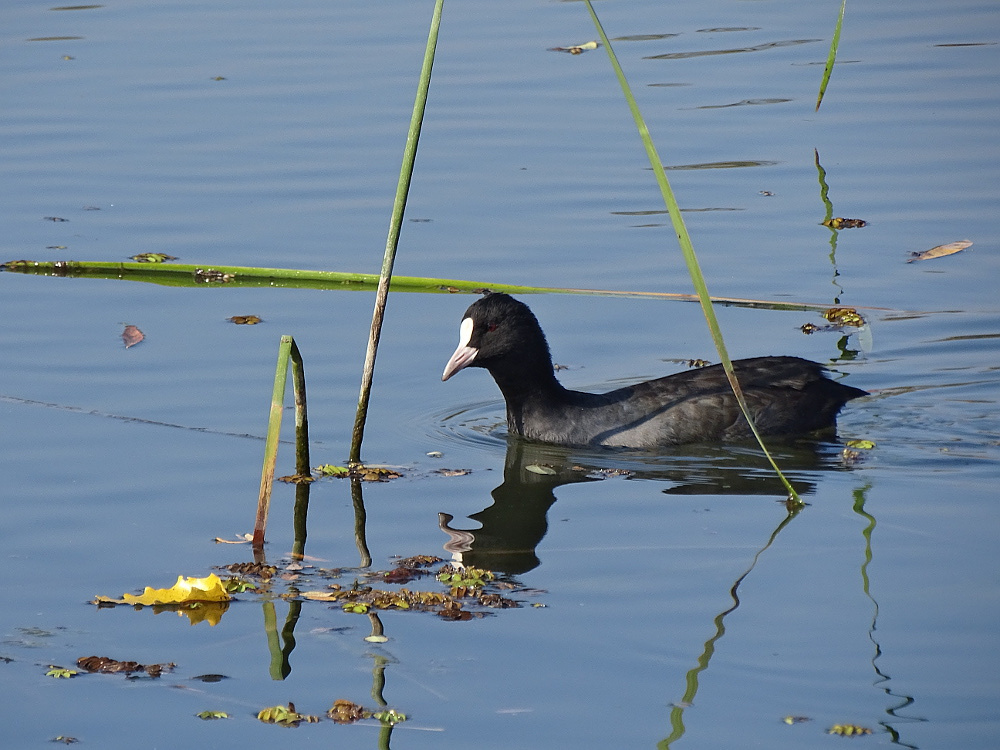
{"points": [[186, 275], [686, 247]]}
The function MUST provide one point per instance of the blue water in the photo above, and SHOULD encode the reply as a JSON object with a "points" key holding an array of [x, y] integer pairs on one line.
{"points": [[875, 605]]}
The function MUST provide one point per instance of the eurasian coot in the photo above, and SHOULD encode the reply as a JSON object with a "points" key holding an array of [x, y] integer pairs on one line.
{"points": [[786, 395]]}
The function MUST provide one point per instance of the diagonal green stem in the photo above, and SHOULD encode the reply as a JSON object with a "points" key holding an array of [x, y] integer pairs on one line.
{"points": [[832, 57], [398, 206], [686, 247]]}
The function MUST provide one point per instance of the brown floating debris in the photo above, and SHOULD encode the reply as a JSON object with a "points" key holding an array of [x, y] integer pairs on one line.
{"points": [[940, 251], [576, 49], [359, 471], [297, 479], [132, 336], [258, 570], [211, 276], [839, 222], [345, 712], [108, 665]]}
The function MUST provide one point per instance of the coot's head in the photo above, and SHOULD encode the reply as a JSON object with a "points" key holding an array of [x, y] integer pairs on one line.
{"points": [[499, 333]]}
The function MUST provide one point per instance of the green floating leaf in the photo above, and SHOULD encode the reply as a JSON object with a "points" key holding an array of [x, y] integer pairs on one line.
{"points": [[465, 578], [389, 716], [152, 257], [238, 585], [359, 471], [212, 715], [864, 445]]}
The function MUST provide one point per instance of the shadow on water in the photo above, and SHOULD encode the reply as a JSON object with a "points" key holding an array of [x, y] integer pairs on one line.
{"points": [[882, 679], [515, 523]]}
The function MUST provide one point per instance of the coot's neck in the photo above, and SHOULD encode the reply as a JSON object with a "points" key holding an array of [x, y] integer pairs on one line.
{"points": [[529, 389]]}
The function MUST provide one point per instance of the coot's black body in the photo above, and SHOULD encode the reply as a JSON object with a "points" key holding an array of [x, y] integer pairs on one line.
{"points": [[786, 395]]}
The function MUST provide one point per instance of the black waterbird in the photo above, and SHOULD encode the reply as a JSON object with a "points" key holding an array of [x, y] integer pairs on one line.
{"points": [[786, 395]]}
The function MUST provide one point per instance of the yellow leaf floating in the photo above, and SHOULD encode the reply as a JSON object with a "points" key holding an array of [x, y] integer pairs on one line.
{"points": [[844, 316], [864, 445], [848, 730], [208, 589]]}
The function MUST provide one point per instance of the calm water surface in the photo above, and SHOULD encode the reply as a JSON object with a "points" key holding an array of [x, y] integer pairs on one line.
{"points": [[682, 606]]}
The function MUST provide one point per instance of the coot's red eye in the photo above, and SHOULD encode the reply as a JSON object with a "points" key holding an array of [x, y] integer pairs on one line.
{"points": [[491, 327]]}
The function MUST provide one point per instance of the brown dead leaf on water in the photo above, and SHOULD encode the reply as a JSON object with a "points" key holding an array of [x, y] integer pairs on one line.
{"points": [[108, 665], [940, 251], [132, 336], [297, 479], [345, 712]]}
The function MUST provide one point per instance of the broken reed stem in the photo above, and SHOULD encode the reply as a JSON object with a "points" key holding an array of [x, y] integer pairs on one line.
{"points": [[301, 418], [287, 350], [271, 442], [300, 510], [395, 223]]}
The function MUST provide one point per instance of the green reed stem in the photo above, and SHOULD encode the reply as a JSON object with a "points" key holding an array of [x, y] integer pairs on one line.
{"points": [[271, 442], [293, 278], [686, 246], [828, 70], [288, 352], [395, 223]]}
